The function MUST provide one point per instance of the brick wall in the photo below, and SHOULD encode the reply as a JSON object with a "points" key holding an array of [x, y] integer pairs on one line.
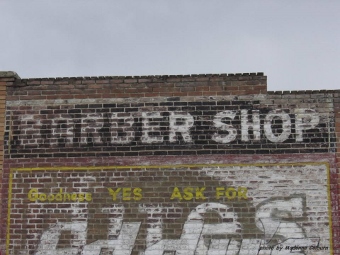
{"points": [[197, 164], [6, 79]]}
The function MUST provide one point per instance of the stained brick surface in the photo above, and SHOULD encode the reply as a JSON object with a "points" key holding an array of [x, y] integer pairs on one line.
{"points": [[200, 164]]}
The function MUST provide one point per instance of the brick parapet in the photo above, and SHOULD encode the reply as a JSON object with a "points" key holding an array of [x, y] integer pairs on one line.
{"points": [[138, 86]]}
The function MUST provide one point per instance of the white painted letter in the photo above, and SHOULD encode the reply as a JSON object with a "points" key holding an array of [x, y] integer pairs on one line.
{"points": [[154, 223], [180, 122], [90, 128], [232, 132], [50, 238], [29, 127], [123, 245], [150, 127], [122, 123], [62, 131], [245, 125], [305, 119], [192, 239], [286, 126]]}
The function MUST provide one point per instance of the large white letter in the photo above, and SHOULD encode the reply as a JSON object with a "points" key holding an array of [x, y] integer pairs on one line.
{"points": [[50, 238], [149, 127], [62, 130], [122, 123], [194, 230], [154, 230], [123, 245], [232, 132], [245, 125], [180, 122], [286, 126], [90, 128], [305, 119], [29, 128]]}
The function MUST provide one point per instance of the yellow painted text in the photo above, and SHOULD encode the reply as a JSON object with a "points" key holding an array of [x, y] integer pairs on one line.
{"points": [[231, 193], [34, 195], [188, 193], [126, 194]]}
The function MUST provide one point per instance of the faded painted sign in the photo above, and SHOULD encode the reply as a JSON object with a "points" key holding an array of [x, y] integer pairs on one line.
{"points": [[62, 126], [162, 126], [183, 209]]}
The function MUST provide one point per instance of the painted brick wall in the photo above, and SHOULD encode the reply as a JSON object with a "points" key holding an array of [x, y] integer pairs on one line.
{"points": [[197, 164]]}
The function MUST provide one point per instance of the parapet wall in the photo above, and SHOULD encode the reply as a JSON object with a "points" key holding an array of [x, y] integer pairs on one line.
{"points": [[197, 164]]}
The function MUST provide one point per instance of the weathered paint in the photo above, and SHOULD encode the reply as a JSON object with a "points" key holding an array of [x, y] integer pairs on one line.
{"points": [[62, 126], [286, 205], [62, 136]]}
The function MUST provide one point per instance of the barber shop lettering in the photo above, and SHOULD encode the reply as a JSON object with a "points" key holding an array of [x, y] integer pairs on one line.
{"points": [[91, 127]]}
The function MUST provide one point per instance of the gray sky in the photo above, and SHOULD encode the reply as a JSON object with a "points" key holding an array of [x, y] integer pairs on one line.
{"points": [[295, 43]]}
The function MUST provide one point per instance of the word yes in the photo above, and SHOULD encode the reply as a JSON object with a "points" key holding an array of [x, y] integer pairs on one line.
{"points": [[126, 194]]}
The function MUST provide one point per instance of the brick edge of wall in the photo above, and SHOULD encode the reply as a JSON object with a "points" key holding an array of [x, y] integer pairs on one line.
{"points": [[6, 79]]}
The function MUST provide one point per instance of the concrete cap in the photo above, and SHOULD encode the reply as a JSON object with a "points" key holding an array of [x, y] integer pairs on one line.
{"points": [[9, 74]]}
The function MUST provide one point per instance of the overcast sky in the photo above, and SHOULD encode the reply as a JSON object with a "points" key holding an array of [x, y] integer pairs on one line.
{"points": [[295, 43]]}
